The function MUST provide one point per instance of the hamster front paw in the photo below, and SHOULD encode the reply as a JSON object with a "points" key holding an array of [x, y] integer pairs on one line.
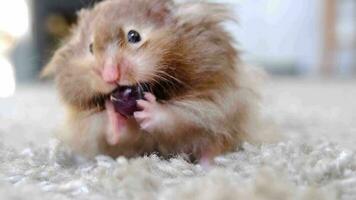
{"points": [[151, 116]]}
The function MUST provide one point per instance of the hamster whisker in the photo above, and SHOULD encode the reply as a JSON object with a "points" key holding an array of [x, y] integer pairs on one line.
{"points": [[163, 79], [157, 75], [174, 78], [139, 84]]}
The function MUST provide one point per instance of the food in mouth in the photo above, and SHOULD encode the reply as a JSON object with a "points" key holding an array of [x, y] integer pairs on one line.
{"points": [[125, 99]]}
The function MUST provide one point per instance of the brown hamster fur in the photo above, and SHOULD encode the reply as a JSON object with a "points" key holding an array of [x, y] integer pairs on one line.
{"points": [[211, 104]]}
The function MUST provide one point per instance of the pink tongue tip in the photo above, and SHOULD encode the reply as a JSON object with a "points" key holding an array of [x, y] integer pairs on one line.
{"points": [[116, 124]]}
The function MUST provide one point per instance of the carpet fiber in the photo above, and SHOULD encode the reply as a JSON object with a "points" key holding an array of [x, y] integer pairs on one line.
{"points": [[315, 159]]}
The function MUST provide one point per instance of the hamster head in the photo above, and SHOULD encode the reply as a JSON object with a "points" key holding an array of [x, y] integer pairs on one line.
{"points": [[179, 48]]}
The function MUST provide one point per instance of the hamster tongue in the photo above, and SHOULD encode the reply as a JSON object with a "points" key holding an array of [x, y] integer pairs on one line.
{"points": [[116, 124]]}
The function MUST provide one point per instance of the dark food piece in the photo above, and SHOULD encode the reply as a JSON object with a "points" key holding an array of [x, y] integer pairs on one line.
{"points": [[124, 99]]}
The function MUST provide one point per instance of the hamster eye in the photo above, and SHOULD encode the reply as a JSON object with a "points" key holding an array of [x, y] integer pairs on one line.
{"points": [[133, 36], [91, 46]]}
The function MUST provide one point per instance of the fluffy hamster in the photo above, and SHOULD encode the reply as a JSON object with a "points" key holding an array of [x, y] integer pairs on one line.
{"points": [[183, 51]]}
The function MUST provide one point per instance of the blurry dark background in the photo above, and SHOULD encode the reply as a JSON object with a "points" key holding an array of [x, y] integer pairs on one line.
{"points": [[51, 22], [286, 37]]}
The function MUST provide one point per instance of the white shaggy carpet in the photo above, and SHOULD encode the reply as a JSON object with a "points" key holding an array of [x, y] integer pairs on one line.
{"points": [[315, 160]]}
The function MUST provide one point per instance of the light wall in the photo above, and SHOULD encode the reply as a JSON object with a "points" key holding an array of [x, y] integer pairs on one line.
{"points": [[280, 33]]}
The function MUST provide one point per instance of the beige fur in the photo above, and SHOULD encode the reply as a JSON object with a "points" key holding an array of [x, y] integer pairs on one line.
{"points": [[212, 104]]}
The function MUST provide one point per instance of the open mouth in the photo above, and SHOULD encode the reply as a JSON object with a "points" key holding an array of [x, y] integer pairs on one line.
{"points": [[124, 99]]}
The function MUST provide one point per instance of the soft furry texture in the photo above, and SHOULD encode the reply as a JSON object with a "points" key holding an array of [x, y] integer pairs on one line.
{"points": [[185, 53], [315, 161]]}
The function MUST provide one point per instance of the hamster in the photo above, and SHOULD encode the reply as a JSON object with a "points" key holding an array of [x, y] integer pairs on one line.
{"points": [[180, 48]]}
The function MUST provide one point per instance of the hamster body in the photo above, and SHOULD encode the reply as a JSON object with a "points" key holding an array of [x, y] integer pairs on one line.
{"points": [[183, 49]]}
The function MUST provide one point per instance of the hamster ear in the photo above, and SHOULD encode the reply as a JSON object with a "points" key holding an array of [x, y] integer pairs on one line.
{"points": [[58, 58], [50, 69], [204, 12], [161, 11]]}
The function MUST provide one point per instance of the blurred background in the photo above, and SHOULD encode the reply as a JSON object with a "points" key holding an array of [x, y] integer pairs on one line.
{"points": [[304, 38]]}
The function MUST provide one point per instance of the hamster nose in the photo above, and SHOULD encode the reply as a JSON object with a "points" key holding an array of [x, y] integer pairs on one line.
{"points": [[110, 73]]}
